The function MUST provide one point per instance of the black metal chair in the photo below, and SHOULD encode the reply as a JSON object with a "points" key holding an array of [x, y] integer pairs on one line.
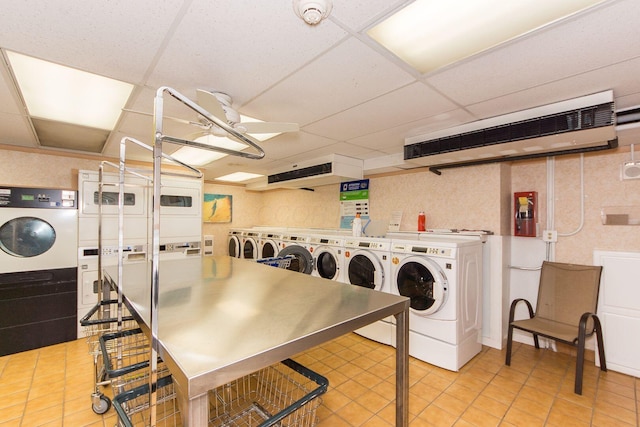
{"points": [[567, 303]]}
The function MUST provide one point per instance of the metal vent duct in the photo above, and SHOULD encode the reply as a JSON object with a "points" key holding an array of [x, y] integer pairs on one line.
{"points": [[573, 126]]}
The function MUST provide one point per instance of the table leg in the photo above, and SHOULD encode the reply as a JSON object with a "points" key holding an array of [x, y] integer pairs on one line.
{"points": [[195, 411], [402, 368]]}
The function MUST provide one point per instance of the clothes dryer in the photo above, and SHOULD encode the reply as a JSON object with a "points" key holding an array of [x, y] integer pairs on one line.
{"points": [[328, 257], [368, 264], [38, 267], [297, 245], [443, 279]]}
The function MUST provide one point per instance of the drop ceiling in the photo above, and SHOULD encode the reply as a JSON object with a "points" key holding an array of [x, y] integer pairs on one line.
{"points": [[349, 95]]}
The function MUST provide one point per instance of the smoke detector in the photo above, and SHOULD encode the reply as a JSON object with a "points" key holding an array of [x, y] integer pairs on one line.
{"points": [[312, 11]]}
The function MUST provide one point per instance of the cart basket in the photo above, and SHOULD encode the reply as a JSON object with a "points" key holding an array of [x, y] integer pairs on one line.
{"points": [[279, 262], [132, 406], [285, 394], [130, 348]]}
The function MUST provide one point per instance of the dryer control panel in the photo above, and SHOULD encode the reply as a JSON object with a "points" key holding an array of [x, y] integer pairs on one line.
{"points": [[41, 198]]}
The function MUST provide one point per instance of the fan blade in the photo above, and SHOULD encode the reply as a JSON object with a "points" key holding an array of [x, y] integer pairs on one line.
{"points": [[268, 127], [209, 102], [175, 119]]}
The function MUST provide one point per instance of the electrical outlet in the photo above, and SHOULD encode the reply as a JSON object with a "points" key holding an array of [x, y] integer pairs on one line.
{"points": [[550, 236]]}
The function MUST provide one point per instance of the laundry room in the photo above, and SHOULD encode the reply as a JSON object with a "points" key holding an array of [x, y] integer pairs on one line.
{"points": [[397, 324]]}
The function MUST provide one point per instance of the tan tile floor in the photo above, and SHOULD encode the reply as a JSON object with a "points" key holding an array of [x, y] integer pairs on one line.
{"points": [[52, 387]]}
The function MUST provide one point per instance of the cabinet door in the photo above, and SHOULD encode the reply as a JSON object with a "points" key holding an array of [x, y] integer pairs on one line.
{"points": [[619, 309]]}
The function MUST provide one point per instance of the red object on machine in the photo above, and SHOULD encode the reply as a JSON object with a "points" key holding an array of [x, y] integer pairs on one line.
{"points": [[422, 222], [525, 213]]}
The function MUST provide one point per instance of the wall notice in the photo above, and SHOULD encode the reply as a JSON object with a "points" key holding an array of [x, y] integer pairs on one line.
{"points": [[354, 198]]}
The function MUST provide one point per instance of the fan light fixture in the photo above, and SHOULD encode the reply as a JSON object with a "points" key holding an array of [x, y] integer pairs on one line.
{"points": [[312, 11]]}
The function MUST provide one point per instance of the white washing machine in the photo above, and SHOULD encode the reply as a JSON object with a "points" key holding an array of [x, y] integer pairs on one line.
{"points": [[443, 279], [269, 243], [297, 245], [368, 264], [328, 257], [250, 244], [234, 243]]}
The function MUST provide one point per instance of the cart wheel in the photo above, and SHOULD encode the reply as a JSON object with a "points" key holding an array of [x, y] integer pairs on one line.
{"points": [[103, 406]]}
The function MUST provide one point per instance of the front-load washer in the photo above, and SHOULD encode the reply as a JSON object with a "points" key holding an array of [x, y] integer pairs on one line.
{"points": [[297, 245], [234, 243], [328, 257], [250, 244], [368, 264], [269, 243], [443, 280]]}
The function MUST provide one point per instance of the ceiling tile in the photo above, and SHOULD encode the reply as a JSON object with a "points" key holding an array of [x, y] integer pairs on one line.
{"points": [[348, 75], [407, 104]]}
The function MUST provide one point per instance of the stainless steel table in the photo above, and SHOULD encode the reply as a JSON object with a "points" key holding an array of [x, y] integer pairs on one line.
{"points": [[220, 318]]}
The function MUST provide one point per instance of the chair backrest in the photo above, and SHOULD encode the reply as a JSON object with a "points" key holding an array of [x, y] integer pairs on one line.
{"points": [[567, 291]]}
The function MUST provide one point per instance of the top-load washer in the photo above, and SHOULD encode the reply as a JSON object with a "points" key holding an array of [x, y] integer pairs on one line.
{"points": [[297, 246], [443, 279], [368, 264], [328, 257]]}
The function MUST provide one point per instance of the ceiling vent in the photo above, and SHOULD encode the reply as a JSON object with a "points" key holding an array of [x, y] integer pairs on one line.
{"points": [[572, 126], [330, 169]]}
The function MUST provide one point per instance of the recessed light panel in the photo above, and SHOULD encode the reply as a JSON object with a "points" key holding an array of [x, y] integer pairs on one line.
{"points": [[58, 93], [429, 34]]}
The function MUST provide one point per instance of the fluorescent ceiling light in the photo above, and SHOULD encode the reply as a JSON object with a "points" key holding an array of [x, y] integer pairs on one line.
{"points": [[238, 177], [429, 34], [58, 93], [198, 156]]}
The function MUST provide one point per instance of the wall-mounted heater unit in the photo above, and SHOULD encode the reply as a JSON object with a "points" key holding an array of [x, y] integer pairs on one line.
{"points": [[573, 126], [330, 169]]}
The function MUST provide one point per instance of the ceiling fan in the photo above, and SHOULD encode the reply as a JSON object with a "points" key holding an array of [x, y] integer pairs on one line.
{"points": [[219, 105]]}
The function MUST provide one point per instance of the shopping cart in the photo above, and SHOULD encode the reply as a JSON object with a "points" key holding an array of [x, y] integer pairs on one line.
{"points": [[102, 319], [286, 394], [279, 262]]}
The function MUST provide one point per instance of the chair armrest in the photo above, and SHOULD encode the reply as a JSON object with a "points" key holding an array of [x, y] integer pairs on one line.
{"points": [[512, 310]]}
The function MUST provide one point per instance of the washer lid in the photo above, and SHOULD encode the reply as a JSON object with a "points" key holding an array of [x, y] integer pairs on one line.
{"points": [[26, 237], [302, 262], [326, 265], [423, 283]]}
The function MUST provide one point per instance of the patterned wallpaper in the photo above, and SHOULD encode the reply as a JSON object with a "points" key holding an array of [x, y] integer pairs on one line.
{"points": [[478, 197]]}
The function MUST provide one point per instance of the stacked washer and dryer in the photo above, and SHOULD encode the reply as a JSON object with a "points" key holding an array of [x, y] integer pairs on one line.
{"points": [[180, 226]]}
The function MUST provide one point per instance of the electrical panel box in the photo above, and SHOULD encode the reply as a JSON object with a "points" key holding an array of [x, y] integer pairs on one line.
{"points": [[525, 214]]}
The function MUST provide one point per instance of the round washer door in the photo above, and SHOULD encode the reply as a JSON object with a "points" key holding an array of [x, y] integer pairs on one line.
{"points": [[250, 249], [423, 282], [365, 269], [327, 264], [302, 261], [234, 247], [269, 249], [26, 237]]}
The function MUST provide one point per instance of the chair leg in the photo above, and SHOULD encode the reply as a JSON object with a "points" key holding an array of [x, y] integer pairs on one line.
{"points": [[599, 338], [509, 346], [582, 337], [536, 341]]}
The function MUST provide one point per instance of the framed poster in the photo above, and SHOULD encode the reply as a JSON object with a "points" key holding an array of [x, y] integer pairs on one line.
{"points": [[217, 208]]}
